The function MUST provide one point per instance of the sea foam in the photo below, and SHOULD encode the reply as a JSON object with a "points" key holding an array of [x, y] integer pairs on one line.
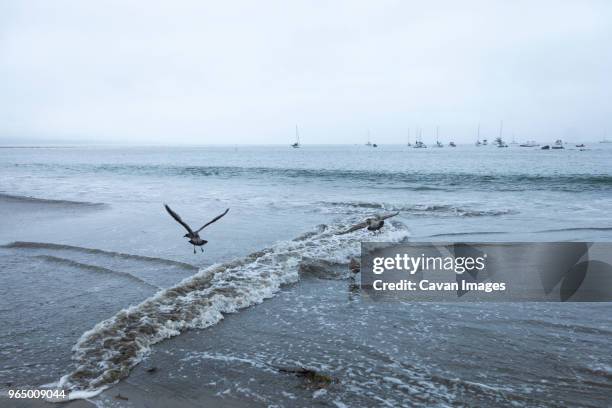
{"points": [[106, 353]]}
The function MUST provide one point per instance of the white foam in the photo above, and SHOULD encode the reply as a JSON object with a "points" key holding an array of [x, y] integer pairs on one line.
{"points": [[319, 393], [108, 351]]}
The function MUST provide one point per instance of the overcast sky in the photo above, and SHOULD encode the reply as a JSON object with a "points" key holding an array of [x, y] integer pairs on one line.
{"points": [[247, 72]]}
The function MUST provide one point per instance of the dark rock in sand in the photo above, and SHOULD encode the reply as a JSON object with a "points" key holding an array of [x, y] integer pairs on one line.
{"points": [[312, 377]]}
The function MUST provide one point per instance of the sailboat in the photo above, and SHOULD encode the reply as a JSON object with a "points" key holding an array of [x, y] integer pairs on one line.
{"points": [[297, 138], [438, 144], [478, 142], [368, 143], [418, 144], [499, 142], [408, 142]]}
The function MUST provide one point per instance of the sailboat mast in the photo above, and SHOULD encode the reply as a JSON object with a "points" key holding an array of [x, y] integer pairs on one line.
{"points": [[297, 134]]}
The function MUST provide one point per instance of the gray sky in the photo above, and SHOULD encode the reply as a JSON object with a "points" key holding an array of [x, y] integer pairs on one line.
{"points": [[247, 72]]}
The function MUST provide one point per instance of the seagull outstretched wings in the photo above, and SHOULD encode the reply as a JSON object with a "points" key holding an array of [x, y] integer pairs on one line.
{"points": [[365, 223], [178, 218], [186, 226], [217, 218]]}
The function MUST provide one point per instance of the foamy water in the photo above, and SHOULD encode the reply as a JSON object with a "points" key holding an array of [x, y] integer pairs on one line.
{"points": [[106, 353]]}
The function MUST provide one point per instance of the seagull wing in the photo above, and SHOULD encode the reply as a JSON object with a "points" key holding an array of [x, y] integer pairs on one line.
{"points": [[365, 223], [178, 218], [213, 220], [384, 217], [354, 228]]}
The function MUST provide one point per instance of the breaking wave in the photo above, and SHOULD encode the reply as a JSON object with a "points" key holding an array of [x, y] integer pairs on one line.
{"points": [[410, 180], [33, 200], [95, 269], [47, 245], [106, 353], [440, 210], [578, 229]]}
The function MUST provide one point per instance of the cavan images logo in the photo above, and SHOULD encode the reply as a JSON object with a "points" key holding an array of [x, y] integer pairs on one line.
{"points": [[564, 268], [571, 270], [542, 271]]}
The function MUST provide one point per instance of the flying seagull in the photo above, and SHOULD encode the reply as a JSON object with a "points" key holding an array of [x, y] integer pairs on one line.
{"points": [[194, 236], [372, 224]]}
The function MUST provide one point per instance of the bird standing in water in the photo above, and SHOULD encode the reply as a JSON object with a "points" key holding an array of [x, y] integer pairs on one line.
{"points": [[194, 236]]}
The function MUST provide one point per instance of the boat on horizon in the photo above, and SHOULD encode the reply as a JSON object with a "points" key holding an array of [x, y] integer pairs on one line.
{"points": [[558, 145], [438, 143], [418, 143], [297, 138], [368, 142], [499, 142]]}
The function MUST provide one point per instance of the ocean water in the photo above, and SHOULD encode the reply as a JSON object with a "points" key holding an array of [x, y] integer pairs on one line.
{"points": [[98, 283]]}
